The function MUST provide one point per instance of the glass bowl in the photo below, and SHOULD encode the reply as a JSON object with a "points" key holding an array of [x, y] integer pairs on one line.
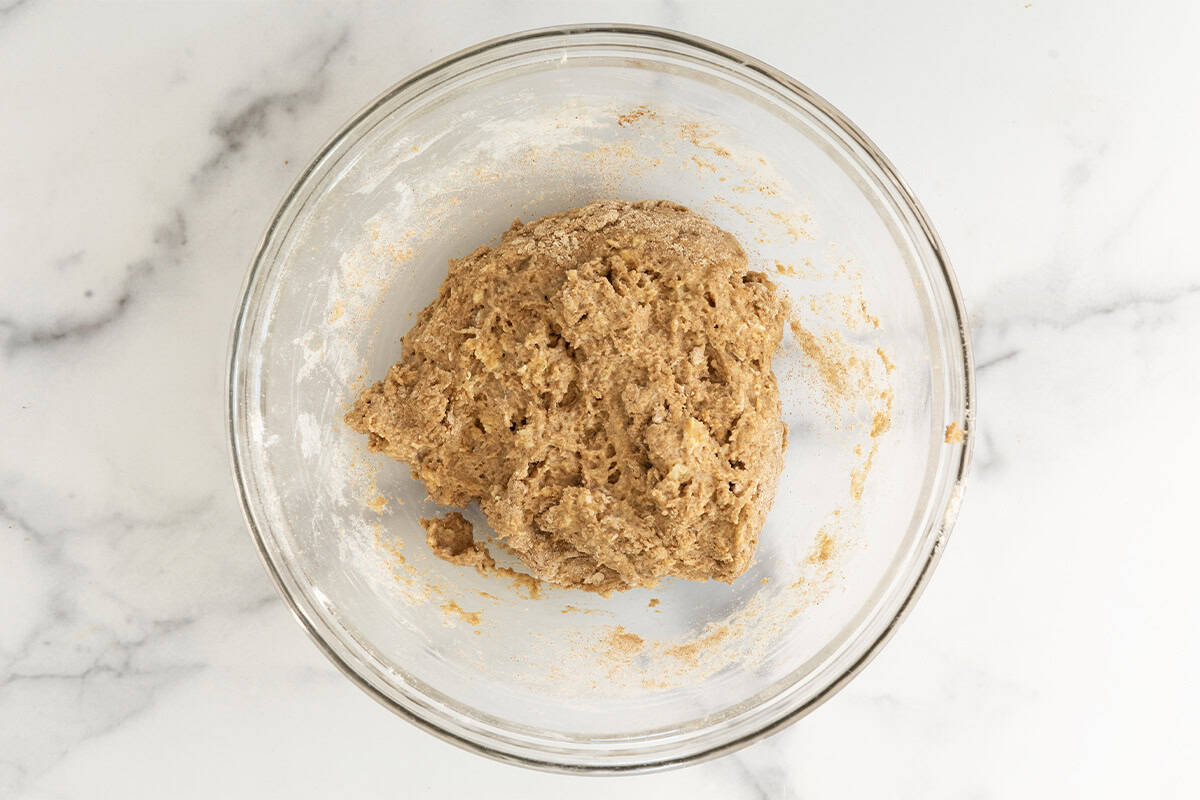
{"points": [[874, 374]]}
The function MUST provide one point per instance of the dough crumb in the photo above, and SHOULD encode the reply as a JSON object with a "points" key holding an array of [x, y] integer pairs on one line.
{"points": [[522, 582], [621, 641], [452, 539], [634, 115], [601, 383], [692, 652], [470, 617], [954, 434], [823, 550]]}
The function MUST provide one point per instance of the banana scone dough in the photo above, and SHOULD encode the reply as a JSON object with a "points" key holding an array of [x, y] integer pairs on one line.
{"points": [[452, 538], [600, 382]]}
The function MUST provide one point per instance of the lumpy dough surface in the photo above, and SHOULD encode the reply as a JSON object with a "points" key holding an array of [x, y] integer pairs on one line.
{"points": [[600, 382]]}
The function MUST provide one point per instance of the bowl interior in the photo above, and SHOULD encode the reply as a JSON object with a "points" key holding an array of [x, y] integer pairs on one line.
{"points": [[869, 377]]}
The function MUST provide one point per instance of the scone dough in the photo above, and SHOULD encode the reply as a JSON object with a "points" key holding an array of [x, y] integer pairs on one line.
{"points": [[452, 539], [600, 382]]}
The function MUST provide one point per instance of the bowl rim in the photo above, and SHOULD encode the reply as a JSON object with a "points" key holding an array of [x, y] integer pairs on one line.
{"points": [[964, 374]]}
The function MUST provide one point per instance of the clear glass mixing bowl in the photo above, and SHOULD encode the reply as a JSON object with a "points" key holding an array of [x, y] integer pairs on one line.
{"points": [[875, 378]]}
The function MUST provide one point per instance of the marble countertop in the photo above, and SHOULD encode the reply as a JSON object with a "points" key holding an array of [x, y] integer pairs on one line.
{"points": [[143, 650]]}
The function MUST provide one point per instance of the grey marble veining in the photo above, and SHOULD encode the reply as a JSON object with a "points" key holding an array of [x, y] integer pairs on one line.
{"points": [[143, 651]]}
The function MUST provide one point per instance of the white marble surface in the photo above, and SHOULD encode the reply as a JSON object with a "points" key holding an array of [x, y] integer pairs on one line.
{"points": [[143, 652]]}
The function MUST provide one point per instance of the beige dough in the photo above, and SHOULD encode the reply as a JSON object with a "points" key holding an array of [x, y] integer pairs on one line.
{"points": [[600, 382], [452, 538]]}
